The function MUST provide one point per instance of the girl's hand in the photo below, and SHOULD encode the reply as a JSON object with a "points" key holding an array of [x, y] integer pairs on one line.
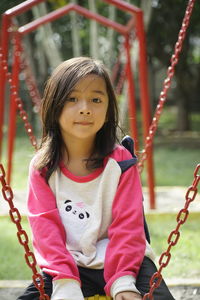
{"points": [[128, 296]]}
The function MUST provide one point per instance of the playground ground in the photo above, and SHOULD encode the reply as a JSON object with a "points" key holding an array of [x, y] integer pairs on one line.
{"points": [[168, 199], [180, 292]]}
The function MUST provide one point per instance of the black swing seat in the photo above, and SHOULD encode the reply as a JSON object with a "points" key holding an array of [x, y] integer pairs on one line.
{"points": [[128, 143]]}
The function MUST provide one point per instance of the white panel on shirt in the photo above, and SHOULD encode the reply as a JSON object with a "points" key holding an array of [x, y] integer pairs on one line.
{"points": [[86, 212]]}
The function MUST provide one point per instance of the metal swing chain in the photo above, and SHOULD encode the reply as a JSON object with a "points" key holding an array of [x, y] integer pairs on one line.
{"points": [[167, 83], [31, 85], [22, 235], [120, 83], [192, 190], [19, 104], [175, 234], [30, 82]]}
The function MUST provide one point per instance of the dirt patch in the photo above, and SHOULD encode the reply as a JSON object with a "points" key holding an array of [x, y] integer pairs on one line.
{"points": [[179, 293]]}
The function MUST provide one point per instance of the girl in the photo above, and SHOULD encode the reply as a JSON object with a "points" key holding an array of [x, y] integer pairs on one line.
{"points": [[85, 199]]}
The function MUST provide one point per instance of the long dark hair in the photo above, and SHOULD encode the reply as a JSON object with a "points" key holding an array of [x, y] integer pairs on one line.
{"points": [[57, 89]]}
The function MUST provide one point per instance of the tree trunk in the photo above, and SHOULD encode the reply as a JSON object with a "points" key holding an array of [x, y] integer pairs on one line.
{"points": [[184, 88], [110, 37], [76, 45], [147, 9], [93, 32], [146, 6], [45, 40], [183, 119]]}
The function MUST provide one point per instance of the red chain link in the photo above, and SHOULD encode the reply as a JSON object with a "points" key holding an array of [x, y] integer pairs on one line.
{"points": [[167, 83], [121, 80], [123, 66], [30, 81], [19, 103], [22, 235], [175, 234]]}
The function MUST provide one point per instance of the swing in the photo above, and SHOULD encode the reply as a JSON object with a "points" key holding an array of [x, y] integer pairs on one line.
{"points": [[30, 82], [182, 215]]}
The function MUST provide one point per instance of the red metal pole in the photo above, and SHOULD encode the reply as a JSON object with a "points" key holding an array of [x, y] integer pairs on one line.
{"points": [[131, 94], [124, 6], [22, 7], [13, 106], [145, 104], [5, 34], [54, 15]]}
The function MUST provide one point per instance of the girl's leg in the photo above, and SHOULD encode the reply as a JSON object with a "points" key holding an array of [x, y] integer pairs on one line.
{"points": [[32, 293], [92, 282], [147, 269]]}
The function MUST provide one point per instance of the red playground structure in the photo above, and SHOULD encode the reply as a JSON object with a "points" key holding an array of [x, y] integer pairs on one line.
{"points": [[9, 31]]}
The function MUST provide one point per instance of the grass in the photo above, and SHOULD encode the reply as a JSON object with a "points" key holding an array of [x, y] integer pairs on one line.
{"points": [[174, 165], [23, 153], [13, 266], [185, 261]]}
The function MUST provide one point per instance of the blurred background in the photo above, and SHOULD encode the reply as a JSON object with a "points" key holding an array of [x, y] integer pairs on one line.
{"points": [[177, 140]]}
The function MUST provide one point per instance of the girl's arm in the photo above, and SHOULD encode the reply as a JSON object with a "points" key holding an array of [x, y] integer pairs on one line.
{"points": [[49, 237], [127, 243]]}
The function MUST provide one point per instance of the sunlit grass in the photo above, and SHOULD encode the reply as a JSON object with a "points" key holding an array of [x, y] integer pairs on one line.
{"points": [[185, 261], [173, 165], [12, 259], [23, 152]]}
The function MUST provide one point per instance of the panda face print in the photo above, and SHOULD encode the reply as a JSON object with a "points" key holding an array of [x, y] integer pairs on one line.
{"points": [[76, 218], [76, 209]]}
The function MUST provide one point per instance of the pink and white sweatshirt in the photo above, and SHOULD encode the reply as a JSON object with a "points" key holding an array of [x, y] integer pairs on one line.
{"points": [[93, 221]]}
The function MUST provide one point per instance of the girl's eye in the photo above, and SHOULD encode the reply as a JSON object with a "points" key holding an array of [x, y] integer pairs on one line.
{"points": [[96, 100]]}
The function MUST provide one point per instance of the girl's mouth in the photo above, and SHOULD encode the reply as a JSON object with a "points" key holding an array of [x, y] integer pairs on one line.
{"points": [[83, 123]]}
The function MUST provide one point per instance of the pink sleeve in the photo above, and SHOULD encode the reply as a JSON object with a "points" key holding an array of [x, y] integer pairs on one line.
{"points": [[49, 237], [127, 243]]}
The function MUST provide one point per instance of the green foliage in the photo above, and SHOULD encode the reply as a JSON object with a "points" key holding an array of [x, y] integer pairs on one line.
{"points": [[5, 5], [162, 33], [168, 16], [165, 24]]}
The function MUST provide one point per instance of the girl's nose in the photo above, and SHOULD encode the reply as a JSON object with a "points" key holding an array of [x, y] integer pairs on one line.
{"points": [[85, 108], [85, 112]]}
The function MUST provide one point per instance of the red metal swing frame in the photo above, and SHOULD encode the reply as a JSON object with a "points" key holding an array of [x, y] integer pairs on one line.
{"points": [[136, 21]]}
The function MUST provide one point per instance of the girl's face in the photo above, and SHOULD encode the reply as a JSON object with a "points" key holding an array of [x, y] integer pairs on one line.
{"points": [[84, 112]]}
